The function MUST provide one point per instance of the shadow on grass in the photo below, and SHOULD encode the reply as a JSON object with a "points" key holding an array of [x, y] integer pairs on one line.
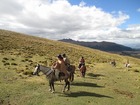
{"points": [[87, 84], [84, 93], [95, 75]]}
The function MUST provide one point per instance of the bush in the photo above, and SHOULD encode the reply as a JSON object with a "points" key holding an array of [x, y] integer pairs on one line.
{"points": [[27, 72], [5, 58], [14, 64], [6, 64], [136, 70]]}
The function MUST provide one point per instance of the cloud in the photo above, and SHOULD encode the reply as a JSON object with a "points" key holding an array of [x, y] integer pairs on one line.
{"points": [[57, 19], [82, 3], [138, 10], [10, 7]]}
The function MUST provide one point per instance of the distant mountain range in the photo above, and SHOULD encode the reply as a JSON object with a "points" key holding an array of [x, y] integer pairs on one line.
{"points": [[104, 46]]}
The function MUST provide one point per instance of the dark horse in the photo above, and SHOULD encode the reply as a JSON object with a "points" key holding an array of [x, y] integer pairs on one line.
{"points": [[82, 70], [52, 75], [71, 70], [113, 63]]}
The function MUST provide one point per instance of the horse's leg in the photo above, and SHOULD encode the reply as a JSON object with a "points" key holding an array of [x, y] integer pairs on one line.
{"points": [[53, 89], [64, 86], [72, 77], [50, 84], [84, 74], [67, 83], [81, 74], [81, 71]]}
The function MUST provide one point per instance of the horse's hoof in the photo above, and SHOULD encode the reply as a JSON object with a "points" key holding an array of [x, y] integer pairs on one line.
{"points": [[52, 91], [67, 89], [63, 91]]}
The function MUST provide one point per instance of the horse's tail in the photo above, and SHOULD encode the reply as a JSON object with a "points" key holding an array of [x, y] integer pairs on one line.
{"points": [[73, 68]]}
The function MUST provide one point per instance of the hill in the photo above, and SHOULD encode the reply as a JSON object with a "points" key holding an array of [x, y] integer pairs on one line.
{"points": [[29, 45], [103, 84], [104, 46]]}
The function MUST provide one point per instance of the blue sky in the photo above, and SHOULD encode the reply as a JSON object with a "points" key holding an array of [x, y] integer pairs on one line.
{"points": [[84, 20]]}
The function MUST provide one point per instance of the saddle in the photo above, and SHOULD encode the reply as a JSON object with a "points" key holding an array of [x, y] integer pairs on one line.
{"points": [[58, 74], [61, 74]]}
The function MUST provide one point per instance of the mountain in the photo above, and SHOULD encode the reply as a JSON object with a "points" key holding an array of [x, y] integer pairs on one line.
{"points": [[104, 46]]}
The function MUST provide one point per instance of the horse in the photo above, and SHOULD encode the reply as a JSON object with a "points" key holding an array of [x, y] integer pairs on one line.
{"points": [[52, 75], [113, 63], [83, 70], [71, 69], [127, 65]]}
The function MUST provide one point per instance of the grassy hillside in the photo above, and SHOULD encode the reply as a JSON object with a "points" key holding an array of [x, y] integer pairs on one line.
{"points": [[103, 85]]}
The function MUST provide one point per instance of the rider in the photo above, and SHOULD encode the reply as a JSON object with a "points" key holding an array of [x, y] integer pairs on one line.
{"points": [[67, 61], [127, 63], [81, 62], [60, 65]]}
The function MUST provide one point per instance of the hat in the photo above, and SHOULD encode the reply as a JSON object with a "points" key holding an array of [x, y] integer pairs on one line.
{"points": [[60, 56], [64, 55]]}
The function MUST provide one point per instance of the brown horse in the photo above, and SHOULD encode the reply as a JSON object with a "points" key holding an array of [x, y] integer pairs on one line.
{"points": [[71, 70], [83, 70]]}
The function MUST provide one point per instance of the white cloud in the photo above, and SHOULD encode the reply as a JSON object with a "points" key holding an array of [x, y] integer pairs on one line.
{"points": [[82, 3], [138, 10], [56, 19]]}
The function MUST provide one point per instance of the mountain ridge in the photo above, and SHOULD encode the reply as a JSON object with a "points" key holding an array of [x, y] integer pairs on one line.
{"points": [[103, 46]]}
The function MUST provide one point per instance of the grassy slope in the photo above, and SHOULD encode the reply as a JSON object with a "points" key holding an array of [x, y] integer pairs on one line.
{"points": [[103, 85]]}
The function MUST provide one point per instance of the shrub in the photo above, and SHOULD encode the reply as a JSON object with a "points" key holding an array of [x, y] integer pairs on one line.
{"points": [[27, 72], [6, 64], [14, 64], [136, 70], [19, 71], [5, 58]]}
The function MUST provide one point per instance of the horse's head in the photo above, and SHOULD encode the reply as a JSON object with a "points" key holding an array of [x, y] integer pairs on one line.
{"points": [[37, 70]]}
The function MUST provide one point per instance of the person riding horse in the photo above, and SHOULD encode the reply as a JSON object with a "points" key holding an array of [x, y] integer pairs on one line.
{"points": [[113, 63], [82, 62], [66, 61], [82, 67], [60, 65]]}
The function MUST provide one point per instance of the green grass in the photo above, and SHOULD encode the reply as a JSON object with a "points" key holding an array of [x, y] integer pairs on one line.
{"points": [[103, 84]]}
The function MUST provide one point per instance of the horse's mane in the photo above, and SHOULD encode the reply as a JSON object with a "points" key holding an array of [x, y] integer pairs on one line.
{"points": [[45, 66], [46, 70]]}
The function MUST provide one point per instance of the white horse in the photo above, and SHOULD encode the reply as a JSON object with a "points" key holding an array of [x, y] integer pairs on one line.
{"points": [[52, 75]]}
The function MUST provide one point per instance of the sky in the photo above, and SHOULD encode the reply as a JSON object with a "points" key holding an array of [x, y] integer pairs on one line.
{"points": [[83, 20]]}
